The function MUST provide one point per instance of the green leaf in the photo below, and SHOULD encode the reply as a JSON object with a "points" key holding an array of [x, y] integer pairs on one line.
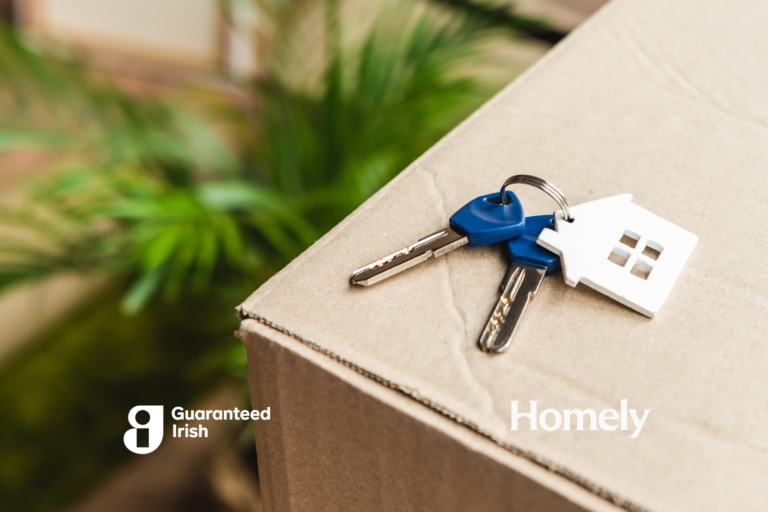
{"points": [[232, 196], [141, 291], [11, 140]]}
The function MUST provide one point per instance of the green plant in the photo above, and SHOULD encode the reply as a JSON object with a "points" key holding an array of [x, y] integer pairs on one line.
{"points": [[151, 191], [65, 400], [198, 199]]}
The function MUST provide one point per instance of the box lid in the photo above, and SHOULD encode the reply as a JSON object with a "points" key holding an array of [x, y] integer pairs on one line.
{"points": [[664, 99]]}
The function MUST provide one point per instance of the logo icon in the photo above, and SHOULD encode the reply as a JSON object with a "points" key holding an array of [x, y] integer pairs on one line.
{"points": [[147, 433]]}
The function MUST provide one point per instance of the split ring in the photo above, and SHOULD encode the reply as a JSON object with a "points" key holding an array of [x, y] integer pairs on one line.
{"points": [[551, 190]]}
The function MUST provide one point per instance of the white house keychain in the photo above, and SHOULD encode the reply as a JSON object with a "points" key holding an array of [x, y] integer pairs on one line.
{"points": [[611, 245], [621, 250]]}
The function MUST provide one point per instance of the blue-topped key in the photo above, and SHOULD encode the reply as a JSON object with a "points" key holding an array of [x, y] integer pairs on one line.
{"points": [[529, 263], [485, 220], [525, 251], [482, 221]]}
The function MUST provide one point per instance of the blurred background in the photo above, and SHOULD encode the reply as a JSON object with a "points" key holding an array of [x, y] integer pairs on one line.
{"points": [[159, 160]]}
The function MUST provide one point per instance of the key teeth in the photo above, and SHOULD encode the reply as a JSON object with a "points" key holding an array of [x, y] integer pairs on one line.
{"points": [[431, 246], [520, 285]]}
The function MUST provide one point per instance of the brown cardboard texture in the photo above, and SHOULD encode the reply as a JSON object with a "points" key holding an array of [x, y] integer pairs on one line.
{"points": [[664, 99]]}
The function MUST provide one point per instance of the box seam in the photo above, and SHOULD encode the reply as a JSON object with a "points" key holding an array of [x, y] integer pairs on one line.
{"points": [[413, 394]]}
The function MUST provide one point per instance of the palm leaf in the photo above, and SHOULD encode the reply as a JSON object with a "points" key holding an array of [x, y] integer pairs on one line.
{"points": [[158, 197]]}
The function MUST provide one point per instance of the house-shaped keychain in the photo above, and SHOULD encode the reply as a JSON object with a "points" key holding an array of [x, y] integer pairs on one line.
{"points": [[621, 250]]}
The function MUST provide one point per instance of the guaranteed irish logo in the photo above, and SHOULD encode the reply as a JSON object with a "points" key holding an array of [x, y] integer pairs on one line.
{"points": [[147, 432]]}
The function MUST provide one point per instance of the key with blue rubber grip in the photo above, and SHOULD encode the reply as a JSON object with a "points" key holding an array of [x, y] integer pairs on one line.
{"points": [[482, 221], [529, 263]]}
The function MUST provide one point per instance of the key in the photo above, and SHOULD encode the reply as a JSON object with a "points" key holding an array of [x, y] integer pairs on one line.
{"points": [[529, 263], [482, 221]]}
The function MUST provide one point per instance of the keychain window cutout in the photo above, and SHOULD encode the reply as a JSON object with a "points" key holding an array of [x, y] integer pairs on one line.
{"points": [[585, 248], [641, 269], [630, 239], [618, 256], [652, 250]]}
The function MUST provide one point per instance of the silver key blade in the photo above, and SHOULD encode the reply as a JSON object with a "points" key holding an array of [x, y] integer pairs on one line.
{"points": [[517, 289], [431, 246]]}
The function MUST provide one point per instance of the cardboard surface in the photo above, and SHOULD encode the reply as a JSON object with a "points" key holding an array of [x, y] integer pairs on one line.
{"points": [[340, 441], [664, 99]]}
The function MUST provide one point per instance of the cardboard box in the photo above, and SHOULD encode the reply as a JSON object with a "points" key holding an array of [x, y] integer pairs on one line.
{"points": [[380, 398]]}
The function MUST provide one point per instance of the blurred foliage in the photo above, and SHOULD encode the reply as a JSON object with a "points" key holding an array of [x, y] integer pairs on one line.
{"points": [[65, 401], [152, 192], [502, 14], [196, 200]]}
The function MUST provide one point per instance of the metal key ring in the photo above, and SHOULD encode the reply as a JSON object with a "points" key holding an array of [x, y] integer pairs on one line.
{"points": [[551, 190]]}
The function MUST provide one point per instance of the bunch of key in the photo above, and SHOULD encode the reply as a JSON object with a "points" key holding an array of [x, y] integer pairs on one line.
{"points": [[612, 245], [488, 219]]}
